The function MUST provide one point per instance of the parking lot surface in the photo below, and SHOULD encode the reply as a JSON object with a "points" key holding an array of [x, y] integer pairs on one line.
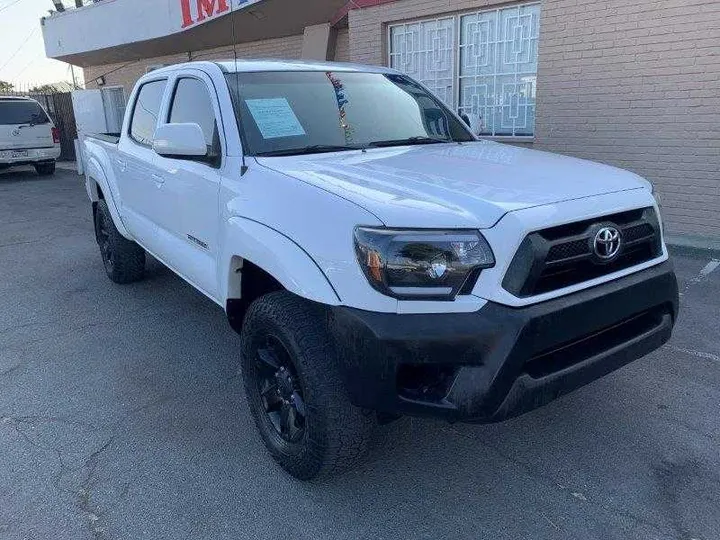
{"points": [[122, 417]]}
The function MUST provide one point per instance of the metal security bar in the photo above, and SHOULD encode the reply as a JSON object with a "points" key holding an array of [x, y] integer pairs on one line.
{"points": [[483, 63], [498, 69], [425, 50]]}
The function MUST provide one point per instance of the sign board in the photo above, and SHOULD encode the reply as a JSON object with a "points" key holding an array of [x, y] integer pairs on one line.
{"points": [[194, 12]]}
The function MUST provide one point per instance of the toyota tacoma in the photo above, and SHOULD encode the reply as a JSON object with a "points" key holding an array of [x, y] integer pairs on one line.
{"points": [[377, 258]]}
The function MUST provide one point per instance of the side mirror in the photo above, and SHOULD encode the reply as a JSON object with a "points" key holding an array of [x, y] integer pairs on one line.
{"points": [[180, 141]]}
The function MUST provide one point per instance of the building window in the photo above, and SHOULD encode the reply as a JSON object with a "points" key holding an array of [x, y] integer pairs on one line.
{"points": [[425, 50], [483, 64]]}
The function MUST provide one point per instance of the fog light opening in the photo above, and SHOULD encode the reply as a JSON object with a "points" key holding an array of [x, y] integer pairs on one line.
{"points": [[425, 382]]}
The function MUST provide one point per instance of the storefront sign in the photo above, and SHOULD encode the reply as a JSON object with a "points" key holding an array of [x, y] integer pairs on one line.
{"points": [[196, 11]]}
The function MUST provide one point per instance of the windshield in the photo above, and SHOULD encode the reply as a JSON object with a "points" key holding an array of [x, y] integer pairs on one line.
{"points": [[285, 113], [14, 112]]}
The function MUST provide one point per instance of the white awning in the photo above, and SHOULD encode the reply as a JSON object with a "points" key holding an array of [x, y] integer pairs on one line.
{"points": [[111, 31]]}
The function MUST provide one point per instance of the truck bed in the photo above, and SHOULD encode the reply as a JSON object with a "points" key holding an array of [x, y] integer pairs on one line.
{"points": [[112, 138]]}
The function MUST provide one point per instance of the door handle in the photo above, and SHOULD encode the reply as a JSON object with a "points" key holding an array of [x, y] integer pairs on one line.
{"points": [[158, 179]]}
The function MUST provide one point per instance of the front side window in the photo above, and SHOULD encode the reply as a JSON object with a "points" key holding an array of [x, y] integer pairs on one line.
{"points": [[15, 112], [192, 104], [145, 113], [301, 112], [496, 54]]}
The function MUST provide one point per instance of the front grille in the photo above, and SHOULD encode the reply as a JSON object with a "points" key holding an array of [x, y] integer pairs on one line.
{"points": [[563, 256], [568, 250], [562, 356]]}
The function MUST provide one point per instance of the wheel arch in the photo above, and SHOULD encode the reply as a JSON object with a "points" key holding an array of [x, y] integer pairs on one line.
{"points": [[258, 260], [98, 187]]}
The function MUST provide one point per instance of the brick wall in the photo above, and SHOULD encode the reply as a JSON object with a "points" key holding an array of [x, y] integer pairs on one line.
{"points": [[127, 73], [342, 45], [633, 84], [637, 84]]}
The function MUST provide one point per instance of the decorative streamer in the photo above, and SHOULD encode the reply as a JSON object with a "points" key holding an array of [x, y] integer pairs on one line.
{"points": [[341, 102]]}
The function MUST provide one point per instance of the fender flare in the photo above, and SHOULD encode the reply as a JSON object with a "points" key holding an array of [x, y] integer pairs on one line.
{"points": [[95, 175], [276, 254]]}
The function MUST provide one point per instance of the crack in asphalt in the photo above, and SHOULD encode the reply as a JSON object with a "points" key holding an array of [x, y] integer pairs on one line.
{"points": [[82, 493], [11, 370]]}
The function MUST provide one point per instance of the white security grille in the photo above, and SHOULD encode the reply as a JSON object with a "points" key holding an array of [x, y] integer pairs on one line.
{"points": [[495, 81], [425, 51], [498, 69]]}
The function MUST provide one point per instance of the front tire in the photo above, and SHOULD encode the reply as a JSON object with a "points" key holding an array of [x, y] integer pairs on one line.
{"points": [[123, 259], [295, 391], [45, 169]]}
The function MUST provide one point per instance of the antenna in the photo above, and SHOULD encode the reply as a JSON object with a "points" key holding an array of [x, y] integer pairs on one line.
{"points": [[243, 168]]}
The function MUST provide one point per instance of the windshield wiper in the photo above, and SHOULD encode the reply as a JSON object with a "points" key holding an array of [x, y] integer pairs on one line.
{"points": [[409, 141], [312, 149]]}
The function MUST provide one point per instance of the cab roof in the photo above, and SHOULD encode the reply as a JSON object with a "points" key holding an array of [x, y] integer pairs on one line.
{"points": [[248, 66]]}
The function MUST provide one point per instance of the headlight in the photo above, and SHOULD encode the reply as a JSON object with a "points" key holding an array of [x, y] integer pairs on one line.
{"points": [[658, 200], [655, 194], [421, 264]]}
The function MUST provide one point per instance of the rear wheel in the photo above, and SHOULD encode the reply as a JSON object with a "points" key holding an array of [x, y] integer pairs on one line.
{"points": [[45, 169], [123, 259], [294, 389]]}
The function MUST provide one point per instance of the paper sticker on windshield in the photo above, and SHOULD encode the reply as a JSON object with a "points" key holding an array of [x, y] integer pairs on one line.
{"points": [[275, 118]]}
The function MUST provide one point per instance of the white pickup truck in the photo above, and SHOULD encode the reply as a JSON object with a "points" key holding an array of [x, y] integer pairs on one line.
{"points": [[377, 259]]}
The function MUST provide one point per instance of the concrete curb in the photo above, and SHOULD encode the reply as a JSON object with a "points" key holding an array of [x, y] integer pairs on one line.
{"points": [[693, 246]]}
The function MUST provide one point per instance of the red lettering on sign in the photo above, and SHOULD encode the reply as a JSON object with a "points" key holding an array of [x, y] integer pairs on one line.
{"points": [[187, 18], [205, 9]]}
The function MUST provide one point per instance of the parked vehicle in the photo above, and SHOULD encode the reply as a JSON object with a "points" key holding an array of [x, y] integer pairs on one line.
{"points": [[27, 135], [376, 258]]}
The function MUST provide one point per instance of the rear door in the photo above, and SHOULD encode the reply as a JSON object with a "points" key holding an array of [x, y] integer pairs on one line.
{"points": [[24, 125], [134, 164], [188, 214]]}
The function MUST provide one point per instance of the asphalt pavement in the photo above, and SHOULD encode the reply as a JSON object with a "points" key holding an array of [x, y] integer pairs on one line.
{"points": [[122, 417]]}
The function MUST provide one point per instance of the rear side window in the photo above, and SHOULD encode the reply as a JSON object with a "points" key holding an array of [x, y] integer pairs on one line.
{"points": [[146, 111], [191, 103], [15, 112]]}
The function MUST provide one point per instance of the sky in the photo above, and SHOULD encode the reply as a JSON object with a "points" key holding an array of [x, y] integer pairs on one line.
{"points": [[22, 52]]}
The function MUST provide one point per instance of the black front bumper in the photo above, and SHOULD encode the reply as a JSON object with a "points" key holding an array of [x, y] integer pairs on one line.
{"points": [[500, 362]]}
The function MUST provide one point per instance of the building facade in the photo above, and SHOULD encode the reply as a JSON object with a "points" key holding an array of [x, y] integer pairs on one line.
{"points": [[632, 84]]}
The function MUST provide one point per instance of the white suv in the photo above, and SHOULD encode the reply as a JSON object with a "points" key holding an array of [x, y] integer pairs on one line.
{"points": [[27, 135]]}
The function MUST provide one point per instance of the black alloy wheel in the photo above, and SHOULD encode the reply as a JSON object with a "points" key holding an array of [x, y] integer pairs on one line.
{"points": [[280, 391], [103, 239]]}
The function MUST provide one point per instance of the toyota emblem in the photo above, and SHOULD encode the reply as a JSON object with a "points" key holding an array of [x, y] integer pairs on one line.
{"points": [[607, 243]]}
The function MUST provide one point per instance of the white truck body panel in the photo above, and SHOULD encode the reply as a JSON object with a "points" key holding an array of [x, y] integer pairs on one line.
{"points": [[469, 185]]}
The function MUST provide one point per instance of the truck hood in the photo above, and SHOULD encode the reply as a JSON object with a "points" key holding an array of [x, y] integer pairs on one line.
{"points": [[451, 186]]}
